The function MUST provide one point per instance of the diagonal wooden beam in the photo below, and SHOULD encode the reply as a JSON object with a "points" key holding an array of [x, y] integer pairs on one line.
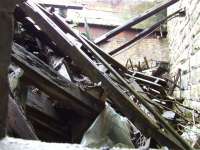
{"points": [[53, 84]]}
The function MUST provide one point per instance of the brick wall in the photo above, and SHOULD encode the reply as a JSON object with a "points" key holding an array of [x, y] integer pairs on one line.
{"points": [[184, 44]]}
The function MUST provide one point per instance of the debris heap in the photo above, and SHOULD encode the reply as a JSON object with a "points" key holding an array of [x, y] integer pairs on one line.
{"points": [[61, 83]]}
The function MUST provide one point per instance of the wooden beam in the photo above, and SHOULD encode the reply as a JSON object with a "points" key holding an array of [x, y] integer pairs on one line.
{"points": [[63, 7], [53, 84], [6, 31]]}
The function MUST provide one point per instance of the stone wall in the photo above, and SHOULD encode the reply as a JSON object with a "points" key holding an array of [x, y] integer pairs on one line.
{"points": [[184, 44]]}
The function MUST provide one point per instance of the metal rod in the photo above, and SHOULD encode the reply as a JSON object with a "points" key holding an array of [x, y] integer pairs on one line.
{"points": [[134, 21], [143, 34], [175, 82]]}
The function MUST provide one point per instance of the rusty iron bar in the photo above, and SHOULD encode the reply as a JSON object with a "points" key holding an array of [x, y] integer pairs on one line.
{"points": [[144, 33], [175, 82], [134, 21]]}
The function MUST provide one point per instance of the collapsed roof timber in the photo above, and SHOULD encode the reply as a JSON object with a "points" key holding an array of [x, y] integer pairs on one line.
{"points": [[61, 108]]}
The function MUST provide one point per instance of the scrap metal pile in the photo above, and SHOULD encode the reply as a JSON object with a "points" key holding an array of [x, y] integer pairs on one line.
{"points": [[61, 81]]}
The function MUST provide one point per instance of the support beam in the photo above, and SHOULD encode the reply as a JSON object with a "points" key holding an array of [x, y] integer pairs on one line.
{"points": [[134, 21], [144, 33], [6, 30]]}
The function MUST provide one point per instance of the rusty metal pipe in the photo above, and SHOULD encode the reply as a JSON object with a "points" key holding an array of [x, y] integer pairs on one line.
{"points": [[134, 21]]}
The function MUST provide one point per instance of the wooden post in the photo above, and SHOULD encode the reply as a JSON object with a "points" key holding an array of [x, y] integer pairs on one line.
{"points": [[6, 30]]}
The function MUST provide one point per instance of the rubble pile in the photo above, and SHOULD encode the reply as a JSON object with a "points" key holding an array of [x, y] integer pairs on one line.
{"points": [[64, 88]]}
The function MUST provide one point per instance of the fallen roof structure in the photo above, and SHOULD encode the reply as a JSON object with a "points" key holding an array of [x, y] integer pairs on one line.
{"points": [[68, 80]]}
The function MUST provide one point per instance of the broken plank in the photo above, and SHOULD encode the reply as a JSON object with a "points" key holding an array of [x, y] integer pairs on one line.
{"points": [[53, 84]]}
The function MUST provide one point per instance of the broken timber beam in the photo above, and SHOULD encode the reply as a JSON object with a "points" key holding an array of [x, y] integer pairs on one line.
{"points": [[60, 6], [121, 100], [53, 84], [134, 21]]}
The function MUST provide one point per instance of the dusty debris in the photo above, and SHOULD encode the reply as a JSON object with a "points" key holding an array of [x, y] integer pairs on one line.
{"points": [[61, 81]]}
